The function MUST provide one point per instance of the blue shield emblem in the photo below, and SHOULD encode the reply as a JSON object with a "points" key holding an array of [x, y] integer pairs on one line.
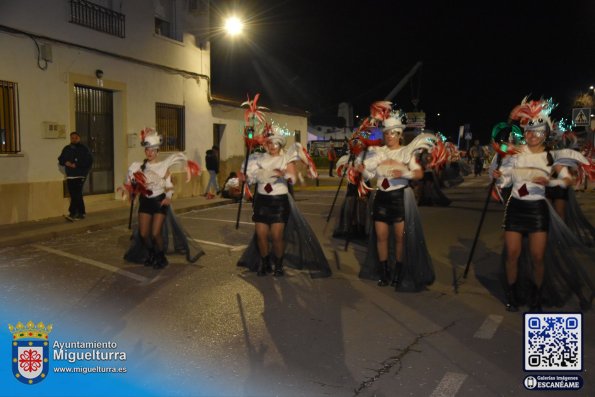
{"points": [[30, 352]]}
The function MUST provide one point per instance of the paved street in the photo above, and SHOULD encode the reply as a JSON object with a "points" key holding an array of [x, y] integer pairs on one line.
{"points": [[211, 328]]}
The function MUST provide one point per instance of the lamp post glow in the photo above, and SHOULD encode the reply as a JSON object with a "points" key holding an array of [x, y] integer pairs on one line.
{"points": [[233, 26]]}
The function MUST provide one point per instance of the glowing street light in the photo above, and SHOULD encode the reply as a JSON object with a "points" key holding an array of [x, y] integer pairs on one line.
{"points": [[233, 26]]}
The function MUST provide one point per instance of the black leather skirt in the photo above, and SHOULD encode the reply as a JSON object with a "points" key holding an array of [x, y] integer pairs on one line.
{"points": [[152, 205], [389, 207], [526, 216], [556, 193], [271, 209]]}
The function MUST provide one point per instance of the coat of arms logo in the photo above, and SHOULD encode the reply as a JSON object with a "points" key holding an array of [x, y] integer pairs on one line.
{"points": [[30, 351]]}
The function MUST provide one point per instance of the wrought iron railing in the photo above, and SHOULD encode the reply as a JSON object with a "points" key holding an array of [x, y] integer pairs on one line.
{"points": [[96, 17]]}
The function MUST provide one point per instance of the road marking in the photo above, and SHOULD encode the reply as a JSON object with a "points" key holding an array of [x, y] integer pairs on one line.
{"points": [[231, 247], [217, 220], [449, 385], [92, 262], [489, 327]]}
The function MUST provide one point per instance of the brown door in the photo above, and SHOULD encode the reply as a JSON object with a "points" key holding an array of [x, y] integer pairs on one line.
{"points": [[95, 125]]}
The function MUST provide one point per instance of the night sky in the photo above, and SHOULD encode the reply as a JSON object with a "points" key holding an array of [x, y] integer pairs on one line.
{"points": [[479, 58]]}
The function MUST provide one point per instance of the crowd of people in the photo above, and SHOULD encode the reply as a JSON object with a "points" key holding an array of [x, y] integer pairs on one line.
{"points": [[545, 232]]}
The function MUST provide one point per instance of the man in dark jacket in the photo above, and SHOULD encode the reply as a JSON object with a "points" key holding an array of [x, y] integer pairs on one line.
{"points": [[212, 163], [77, 160]]}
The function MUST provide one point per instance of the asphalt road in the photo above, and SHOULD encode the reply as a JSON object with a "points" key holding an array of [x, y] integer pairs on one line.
{"points": [[212, 328]]}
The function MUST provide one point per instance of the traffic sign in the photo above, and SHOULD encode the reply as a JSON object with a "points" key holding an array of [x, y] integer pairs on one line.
{"points": [[581, 116]]}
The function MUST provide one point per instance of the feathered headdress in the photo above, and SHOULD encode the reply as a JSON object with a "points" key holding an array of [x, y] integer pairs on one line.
{"points": [[534, 115], [253, 111], [397, 120], [150, 138]]}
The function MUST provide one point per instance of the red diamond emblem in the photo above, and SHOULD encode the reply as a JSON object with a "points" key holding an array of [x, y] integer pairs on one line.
{"points": [[385, 184], [523, 190], [268, 188]]}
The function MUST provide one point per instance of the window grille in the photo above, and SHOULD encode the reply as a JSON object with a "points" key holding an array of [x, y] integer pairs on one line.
{"points": [[98, 18], [10, 134], [170, 122]]}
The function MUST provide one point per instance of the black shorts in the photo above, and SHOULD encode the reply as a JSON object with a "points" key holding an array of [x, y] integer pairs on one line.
{"points": [[526, 216], [152, 205], [389, 207], [271, 209], [556, 193]]}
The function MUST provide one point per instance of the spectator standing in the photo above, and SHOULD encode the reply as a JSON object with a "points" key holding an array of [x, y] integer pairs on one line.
{"points": [[77, 160], [476, 153], [212, 163], [332, 157]]}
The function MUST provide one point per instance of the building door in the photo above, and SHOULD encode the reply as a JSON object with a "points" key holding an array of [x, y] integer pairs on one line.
{"points": [[218, 130], [95, 125]]}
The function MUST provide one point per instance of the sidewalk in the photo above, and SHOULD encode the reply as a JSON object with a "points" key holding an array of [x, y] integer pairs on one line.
{"points": [[104, 214], [98, 217]]}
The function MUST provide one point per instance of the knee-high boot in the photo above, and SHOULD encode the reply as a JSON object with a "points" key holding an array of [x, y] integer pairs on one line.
{"points": [[383, 271], [278, 267], [511, 301]]}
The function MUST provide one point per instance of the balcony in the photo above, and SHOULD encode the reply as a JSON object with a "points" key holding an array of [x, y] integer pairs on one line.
{"points": [[93, 16]]}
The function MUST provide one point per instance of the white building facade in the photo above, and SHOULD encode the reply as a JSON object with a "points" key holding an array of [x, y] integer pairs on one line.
{"points": [[106, 69]]}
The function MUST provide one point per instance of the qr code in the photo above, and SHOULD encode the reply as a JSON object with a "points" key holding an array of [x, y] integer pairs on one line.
{"points": [[553, 342]]}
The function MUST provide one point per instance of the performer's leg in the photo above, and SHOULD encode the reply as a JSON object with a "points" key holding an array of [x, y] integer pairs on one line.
{"points": [[560, 207], [277, 230], [156, 234], [399, 243], [537, 242], [382, 233], [262, 240], [144, 229], [513, 242]]}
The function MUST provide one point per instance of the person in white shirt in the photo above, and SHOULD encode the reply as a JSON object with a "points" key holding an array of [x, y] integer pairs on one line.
{"points": [[394, 166], [529, 215], [151, 181], [275, 214]]}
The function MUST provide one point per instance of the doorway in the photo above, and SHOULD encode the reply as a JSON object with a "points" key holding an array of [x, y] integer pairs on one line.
{"points": [[95, 124]]}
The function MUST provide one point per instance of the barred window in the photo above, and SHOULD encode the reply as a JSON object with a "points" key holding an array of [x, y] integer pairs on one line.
{"points": [[10, 134], [170, 124]]}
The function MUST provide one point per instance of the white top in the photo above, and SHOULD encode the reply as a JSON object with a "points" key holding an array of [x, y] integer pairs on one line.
{"points": [[518, 170], [261, 170], [155, 175], [232, 183], [378, 154]]}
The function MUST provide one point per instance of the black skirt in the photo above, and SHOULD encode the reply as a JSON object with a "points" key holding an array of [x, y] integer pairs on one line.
{"points": [[152, 205], [556, 193], [271, 209], [389, 207], [526, 216]]}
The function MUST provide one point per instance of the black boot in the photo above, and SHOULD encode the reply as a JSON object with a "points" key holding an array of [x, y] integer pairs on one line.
{"points": [[263, 266], [536, 300], [397, 275], [160, 260], [150, 261], [511, 301], [279, 267], [383, 271], [268, 267]]}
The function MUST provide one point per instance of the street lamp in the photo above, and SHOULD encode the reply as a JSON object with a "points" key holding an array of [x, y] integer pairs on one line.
{"points": [[233, 26]]}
